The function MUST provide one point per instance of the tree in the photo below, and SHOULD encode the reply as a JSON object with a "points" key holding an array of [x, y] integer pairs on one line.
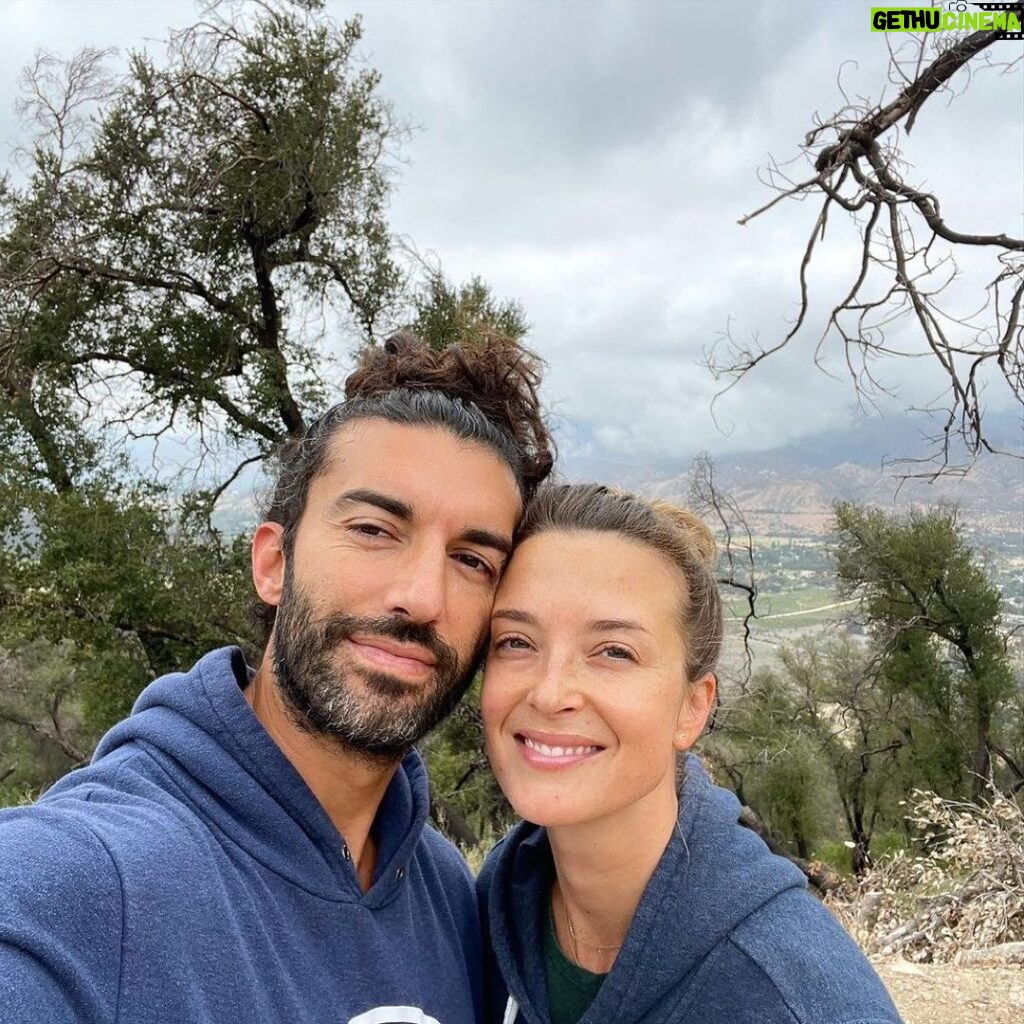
{"points": [[821, 715], [185, 229], [936, 620], [853, 722], [444, 313], [908, 252]]}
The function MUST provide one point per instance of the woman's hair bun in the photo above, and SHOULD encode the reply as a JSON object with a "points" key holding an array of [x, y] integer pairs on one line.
{"points": [[489, 370], [694, 528]]}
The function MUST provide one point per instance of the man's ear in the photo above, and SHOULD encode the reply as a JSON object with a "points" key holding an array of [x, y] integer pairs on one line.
{"points": [[696, 709], [268, 562]]}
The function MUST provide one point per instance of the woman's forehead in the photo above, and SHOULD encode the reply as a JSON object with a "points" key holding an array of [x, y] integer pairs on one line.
{"points": [[593, 569]]}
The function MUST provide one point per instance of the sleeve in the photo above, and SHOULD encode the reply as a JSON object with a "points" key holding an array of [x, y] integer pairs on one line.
{"points": [[60, 921]]}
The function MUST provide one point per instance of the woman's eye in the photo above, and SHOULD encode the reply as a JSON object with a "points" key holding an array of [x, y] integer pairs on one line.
{"points": [[617, 653], [511, 643]]}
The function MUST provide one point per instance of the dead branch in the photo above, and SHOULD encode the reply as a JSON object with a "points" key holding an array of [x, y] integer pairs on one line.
{"points": [[901, 274], [708, 499]]}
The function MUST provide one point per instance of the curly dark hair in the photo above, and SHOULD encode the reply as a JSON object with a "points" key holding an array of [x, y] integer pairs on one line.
{"points": [[483, 389]]}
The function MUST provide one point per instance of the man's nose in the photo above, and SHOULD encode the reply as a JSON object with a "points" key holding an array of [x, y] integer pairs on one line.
{"points": [[419, 588]]}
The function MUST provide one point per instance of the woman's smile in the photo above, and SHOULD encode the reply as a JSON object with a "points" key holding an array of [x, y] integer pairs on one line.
{"points": [[551, 751]]}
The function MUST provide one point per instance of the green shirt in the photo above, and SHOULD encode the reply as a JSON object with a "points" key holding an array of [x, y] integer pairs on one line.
{"points": [[571, 989]]}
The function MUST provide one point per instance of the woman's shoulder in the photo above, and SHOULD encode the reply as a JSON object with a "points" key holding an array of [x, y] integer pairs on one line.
{"points": [[799, 948], [518, 851]]}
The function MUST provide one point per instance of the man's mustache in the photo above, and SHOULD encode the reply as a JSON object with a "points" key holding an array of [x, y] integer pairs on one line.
{"points": [[336, 628]]}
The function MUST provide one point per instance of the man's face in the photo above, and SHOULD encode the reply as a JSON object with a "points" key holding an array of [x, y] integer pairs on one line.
{"points": [[386, 595]]}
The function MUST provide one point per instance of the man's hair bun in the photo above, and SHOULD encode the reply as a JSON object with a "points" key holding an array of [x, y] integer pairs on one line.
{"points": [[490, 370]]}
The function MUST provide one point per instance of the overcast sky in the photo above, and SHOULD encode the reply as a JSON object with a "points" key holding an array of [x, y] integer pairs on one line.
{"points": [[591, 159]]}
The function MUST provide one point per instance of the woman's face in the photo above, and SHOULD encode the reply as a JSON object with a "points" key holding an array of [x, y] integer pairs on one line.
{"points": [[585, 700]]}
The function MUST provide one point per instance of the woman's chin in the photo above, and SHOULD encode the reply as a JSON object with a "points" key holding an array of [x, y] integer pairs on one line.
{"points": [[550, 810]]}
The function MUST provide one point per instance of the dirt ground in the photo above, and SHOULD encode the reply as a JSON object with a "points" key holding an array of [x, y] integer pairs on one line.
{"points": [[947, 994]]}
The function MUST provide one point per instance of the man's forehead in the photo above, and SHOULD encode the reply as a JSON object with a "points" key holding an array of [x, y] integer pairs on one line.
{"points": [[422, 465]]}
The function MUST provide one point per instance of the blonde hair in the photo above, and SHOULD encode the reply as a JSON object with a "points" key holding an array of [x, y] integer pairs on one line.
{"points": [[674, 532]]}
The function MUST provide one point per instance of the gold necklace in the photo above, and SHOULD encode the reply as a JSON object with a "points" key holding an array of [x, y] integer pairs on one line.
{"points": [[574, 940]]}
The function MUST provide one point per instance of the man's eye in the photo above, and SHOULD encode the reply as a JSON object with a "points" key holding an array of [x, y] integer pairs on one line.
{"points": [[476, 563], [369, 530]]}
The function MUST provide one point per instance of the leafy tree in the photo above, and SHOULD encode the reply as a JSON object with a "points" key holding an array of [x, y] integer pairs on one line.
{"points": [[185, 230], [101, 589], [445, 313], [820, 717], [936, 620], [853, 722], [42, 729]]}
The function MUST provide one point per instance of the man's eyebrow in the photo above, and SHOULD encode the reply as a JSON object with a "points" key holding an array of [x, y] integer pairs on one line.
{"points": [[487, 539], [363, 496], [514, 615]]}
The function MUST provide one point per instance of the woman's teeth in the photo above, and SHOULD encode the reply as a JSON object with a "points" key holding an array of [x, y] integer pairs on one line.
{"points": [[549, 751]]}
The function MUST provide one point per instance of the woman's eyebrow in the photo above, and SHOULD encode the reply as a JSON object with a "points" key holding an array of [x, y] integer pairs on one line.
{"points": [[514, 615], [597, 626]]}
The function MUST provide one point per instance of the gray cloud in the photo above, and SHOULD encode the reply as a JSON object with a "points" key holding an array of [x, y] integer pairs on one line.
{"points": [[591, 160]]}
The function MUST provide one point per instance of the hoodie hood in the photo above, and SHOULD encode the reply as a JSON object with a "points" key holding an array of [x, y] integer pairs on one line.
{"points": [[713, 875], [199, 728]]}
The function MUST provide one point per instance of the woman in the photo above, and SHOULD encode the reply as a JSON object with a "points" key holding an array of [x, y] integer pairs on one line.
{"points": [[617, 899]]}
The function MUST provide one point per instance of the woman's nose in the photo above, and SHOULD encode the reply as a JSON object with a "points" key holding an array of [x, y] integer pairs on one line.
{"points": [[556, 688]]}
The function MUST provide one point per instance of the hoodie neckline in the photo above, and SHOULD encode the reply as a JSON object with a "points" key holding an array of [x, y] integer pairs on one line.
{"points": [[238, 779], [709, 879]]}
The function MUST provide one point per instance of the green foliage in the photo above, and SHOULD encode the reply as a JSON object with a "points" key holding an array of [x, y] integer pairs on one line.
{"points": [[936, 622], [461, 776], [42, 731], [927, 698], [178, 220], [821, 719], [446, 313], [102, 589]]}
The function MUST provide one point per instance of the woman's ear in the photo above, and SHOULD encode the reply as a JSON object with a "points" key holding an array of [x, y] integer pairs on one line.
{"points": [[696, 709], [268, 561]]}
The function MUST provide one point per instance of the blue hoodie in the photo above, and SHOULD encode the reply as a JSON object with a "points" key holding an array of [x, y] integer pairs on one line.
{"points": [[190, 875], [726, 933]]}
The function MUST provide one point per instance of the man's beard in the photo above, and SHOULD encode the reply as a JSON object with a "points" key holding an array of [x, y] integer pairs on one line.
{"points": [[381, 716]]}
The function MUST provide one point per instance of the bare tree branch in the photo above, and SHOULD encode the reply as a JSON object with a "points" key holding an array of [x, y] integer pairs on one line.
{"points": [[858, 171]]}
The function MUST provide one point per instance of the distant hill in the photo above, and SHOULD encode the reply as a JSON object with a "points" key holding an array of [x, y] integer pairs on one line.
{"points": [[792, 488]]}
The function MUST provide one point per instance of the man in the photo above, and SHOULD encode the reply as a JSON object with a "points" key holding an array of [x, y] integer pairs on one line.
{"points": [[251, 846]]}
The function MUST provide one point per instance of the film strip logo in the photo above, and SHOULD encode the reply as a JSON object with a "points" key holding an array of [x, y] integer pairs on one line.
{"points": [[1017, 9]]}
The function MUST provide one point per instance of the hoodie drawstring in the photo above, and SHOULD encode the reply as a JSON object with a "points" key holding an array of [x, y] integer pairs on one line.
{"points": [[511, 1010]]}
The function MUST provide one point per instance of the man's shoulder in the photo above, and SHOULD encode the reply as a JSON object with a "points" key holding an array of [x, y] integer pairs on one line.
{"points": [[56, 873], [109, 818]]}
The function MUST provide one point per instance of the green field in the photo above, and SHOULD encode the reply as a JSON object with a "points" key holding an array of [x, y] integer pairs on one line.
{"points": [[794, 607]]}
